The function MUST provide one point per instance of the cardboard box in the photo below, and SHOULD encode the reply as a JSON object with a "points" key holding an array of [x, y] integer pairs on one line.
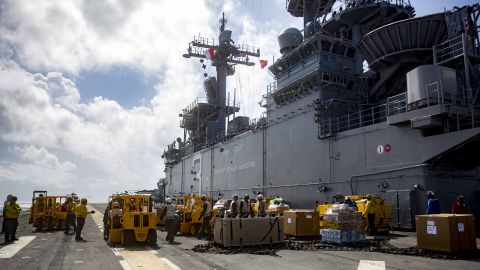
{"points": [[301, 222], [446, 232], [235, 232], [466, 232]]}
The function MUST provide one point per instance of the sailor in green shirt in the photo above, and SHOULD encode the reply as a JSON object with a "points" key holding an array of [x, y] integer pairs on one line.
{"points": [[12, 210]]}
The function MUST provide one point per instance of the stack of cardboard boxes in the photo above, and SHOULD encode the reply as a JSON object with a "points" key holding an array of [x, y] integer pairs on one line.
{"points": [[446, 232], [343, 225]]}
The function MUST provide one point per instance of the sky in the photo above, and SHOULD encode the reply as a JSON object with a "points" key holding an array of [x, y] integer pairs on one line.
{"points": [[90, 91]]}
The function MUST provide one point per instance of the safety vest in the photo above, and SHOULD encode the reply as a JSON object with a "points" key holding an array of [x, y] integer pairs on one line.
{"points": [[81, 211], [244, 208], [72, 208], [234, 208], [12, 210], [261, 208], [170, 211]]}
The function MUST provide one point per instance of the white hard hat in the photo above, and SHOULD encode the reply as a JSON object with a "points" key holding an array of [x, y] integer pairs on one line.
{"points": [[260, 196], [116, 204], [168, 200]]}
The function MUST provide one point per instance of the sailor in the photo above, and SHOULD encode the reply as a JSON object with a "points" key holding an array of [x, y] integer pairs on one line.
{"points": [[115, 214], [71, 207], [12, 210], [245, 207], [369, 213], [4, 206], [433, 205], [106, 216], [81, 215], [459, 206], [350, 203], [233, 210], [205, 216], [170, 222], [262, 211]]}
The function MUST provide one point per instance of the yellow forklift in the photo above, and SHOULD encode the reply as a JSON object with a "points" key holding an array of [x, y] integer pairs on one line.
{"points": [[47, 212], [190, 208], [37, 207], [131, 219]]}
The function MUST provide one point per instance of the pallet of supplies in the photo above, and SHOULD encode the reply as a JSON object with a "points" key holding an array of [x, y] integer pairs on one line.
{"points": [[342, 225]]}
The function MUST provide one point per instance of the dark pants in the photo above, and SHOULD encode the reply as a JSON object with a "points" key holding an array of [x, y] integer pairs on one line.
{"points": [[205, 228], [3, 221], [78, 232], [70, 220], [371, 224], [11, 225], [171, 226]]}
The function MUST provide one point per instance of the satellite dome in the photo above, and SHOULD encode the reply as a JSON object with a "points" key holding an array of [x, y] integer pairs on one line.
{"points": [[289, 39]]}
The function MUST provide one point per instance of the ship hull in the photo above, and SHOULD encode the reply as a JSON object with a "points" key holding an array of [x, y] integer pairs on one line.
{"points": [[286, 158]]}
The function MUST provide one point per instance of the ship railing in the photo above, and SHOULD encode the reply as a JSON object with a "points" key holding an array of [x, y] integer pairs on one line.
{"points": [[367, 117], [460, 122], [204, 41], [397, 104], [448, 50], [348, 4], [249, 49], [194, 104], [271, 87]]}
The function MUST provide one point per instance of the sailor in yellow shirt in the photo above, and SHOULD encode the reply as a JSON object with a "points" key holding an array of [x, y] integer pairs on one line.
{"points": [[12, 210], [369, 213], [81, 215], [71, 207]]}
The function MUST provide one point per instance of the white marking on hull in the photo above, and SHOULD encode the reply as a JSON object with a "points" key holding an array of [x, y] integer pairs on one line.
{"points": [[371, 265], [10, 250]]}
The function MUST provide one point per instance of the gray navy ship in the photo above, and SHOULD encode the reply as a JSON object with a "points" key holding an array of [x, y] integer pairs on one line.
{"points": [[367, 98]]}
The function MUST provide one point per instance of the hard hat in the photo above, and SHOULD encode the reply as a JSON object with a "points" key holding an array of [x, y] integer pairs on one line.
{"points": [[368, 196], [204, 197], [168, 200], [260, 196], [246, 196], [116, 204], [235, 196]]}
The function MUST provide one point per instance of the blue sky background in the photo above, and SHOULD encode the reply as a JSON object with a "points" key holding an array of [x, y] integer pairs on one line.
{"points": [[90, 91]]}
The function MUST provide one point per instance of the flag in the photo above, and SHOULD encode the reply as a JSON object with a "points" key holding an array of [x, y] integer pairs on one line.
{"points": [[209, 54], [263, 63]]}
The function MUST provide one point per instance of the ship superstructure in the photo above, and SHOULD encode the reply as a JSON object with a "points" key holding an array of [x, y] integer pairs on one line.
{"points": [[368, 99]]}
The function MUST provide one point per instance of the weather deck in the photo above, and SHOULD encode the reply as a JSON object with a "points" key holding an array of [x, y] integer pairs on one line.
{"points": [[55, 250]]}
